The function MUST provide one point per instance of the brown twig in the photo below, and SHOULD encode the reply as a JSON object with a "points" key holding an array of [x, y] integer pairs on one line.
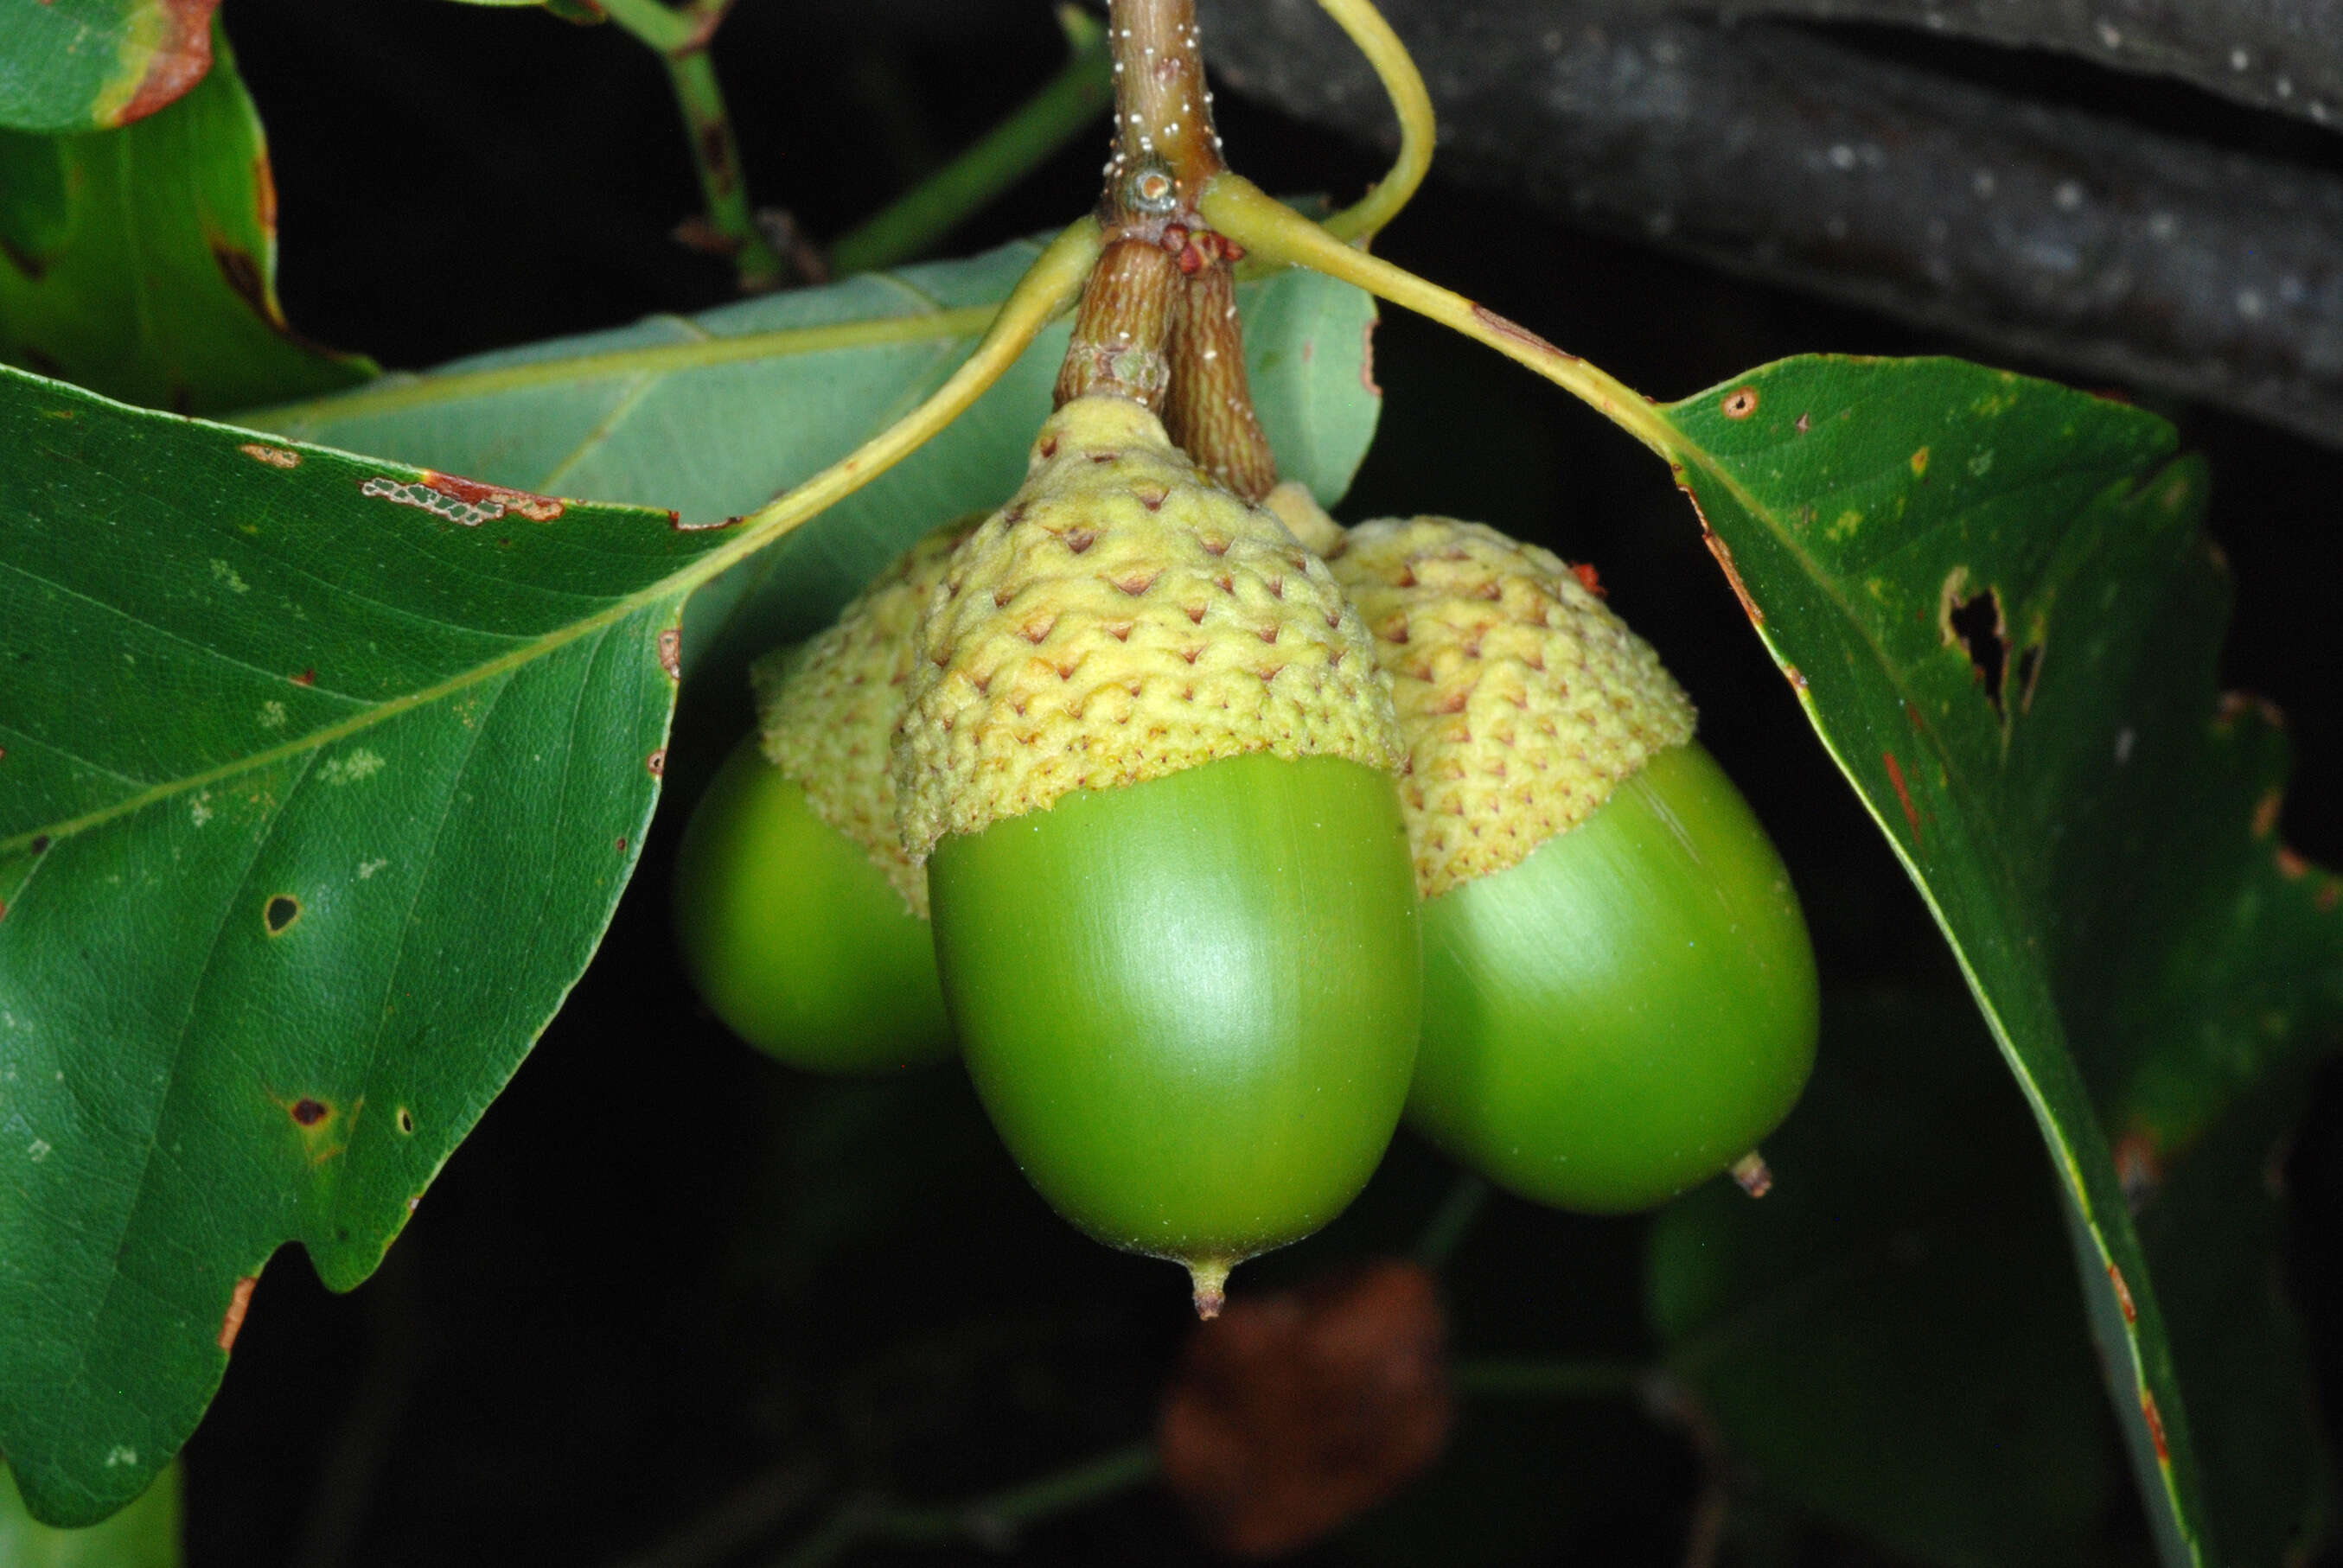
{"points": [[1159, 323]]}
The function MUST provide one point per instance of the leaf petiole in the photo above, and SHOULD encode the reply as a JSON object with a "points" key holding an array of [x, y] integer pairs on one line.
{"points": [[1274, 232], [1403, 85]]}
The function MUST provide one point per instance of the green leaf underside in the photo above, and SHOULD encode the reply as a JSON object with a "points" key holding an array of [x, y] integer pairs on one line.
{"points": [[2090, 825], [319, 779], [89, 65], [142, 262], [714, 415], [1891, 1338]]}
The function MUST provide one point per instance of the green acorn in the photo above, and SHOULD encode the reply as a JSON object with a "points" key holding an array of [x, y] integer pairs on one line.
{"points": [[1620, 997], [1146, 758], [803, 922]]}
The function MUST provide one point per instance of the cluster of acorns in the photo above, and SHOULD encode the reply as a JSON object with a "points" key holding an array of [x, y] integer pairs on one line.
{"points": [[1217, 837]]}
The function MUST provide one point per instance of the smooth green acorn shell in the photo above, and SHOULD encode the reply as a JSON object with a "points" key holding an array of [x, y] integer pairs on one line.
{"points": [[794, 935], [1626, 1011], [1191, 1004]]}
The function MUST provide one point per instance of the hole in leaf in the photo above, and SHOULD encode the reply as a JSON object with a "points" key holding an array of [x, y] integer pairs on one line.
{"points": [[1977, 622], [406, 1119], [282, 911]]}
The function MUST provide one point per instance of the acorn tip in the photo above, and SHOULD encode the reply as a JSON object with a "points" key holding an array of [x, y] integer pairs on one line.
{"points": [[1210, 1278]]}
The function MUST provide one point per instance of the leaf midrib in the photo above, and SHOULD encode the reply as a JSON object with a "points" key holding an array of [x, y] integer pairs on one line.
{"points": [[674, 585], [398, 394]]}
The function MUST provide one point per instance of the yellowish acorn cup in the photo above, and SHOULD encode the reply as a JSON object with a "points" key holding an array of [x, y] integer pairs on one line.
{"points": [[1619, 993], [1148, 751], [1121, 618], [828, 710]]}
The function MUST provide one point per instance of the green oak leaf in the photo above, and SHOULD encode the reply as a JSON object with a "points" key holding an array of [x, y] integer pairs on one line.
{"points": [[319, 779], [144, 1535], [1892, 1339], [142, 262], [1995, 599], [93, 65], [715, 414]]}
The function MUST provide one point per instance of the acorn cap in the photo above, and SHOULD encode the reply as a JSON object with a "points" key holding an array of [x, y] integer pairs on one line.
{"points": [[827, 707], [1524, 701], [1124, 618]]}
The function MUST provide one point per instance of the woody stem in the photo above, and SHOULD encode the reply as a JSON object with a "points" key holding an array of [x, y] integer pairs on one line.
{"points": [[1159, 323]]}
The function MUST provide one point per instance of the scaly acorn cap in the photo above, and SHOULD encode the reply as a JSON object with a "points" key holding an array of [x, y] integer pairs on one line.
{"points": [[827, 707], [1522, 699], [1121, 618]]}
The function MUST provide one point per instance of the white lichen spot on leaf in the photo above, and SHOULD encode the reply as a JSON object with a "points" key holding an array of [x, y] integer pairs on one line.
{"points": [[351, 767]]}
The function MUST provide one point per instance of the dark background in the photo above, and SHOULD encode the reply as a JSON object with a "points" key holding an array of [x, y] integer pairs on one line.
{"points": [[664, 1269]]}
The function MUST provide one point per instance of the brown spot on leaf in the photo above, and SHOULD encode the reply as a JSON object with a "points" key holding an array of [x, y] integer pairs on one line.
{"points": [[1723, 553], [307, 678], [1293, 1412], [2155, 1419], [535, 508], [670, 652], [1920, 463], [2266, 812], [274, 457], [309, 1113], [182, 54], [1739, 403], [40, 845], [656, 763], [239, 1301], [1805, 423], [1895, 776], [2123, 1294]]}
